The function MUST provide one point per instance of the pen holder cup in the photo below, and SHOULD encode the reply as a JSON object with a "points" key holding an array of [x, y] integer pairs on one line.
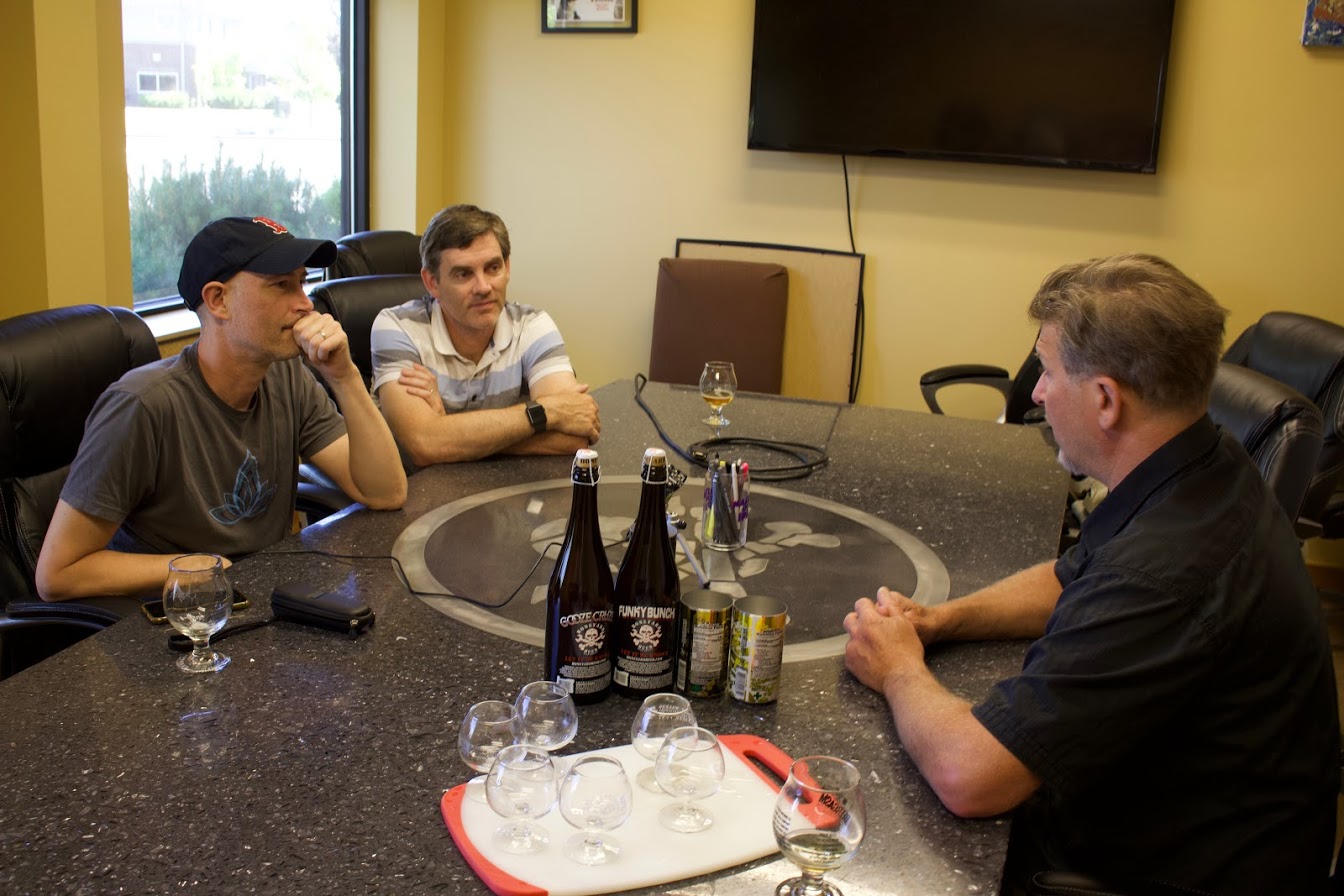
{"points": [[723, 525]]}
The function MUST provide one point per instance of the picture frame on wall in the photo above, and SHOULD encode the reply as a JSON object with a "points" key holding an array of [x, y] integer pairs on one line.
{"points": [[590, 16], [1324, 26]]}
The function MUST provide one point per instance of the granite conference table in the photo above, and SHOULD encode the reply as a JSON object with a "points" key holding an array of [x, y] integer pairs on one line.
{"points": [[315, 763]]}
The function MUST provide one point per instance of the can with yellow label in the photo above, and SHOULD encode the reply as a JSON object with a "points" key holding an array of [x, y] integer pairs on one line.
{"points": [[702, 643], [756, 649]]}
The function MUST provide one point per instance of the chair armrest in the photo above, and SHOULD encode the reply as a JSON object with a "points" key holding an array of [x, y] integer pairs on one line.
{"points": [[1070, 883], [94, 612], [959, 374], [318, 501]]}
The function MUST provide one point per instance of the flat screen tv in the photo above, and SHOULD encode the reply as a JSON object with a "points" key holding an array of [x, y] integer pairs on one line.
{"points": [[1064, 83]]}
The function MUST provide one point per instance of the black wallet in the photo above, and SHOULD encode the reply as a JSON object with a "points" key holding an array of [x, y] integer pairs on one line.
{"points": [[307, 604]]}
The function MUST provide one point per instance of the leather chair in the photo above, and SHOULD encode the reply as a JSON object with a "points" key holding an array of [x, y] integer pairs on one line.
{"points": [[713, 309], [53, 367], [1018, 407], [355, 301], [1279, 427], [375, 252], [1067, 883], [1307, 354]]}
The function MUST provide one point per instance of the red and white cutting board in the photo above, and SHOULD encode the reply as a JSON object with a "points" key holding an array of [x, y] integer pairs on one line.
{"points": [[650, 853]]}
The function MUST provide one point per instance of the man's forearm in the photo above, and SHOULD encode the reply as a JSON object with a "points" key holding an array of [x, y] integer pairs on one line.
{"points": [[468, 435], [375, 464], [552, 442], [106, 573], [1015, 607], [972, 773]]}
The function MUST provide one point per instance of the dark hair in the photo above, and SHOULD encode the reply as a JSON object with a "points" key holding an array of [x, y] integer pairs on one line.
{"points": [[1138, 319], [457, 227]]}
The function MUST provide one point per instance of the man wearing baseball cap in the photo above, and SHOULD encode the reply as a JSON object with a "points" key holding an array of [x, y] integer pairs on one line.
{"points": [[200, 452]]}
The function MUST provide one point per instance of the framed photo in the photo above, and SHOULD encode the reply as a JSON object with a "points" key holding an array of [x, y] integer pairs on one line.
{"points": [[608, 16]]}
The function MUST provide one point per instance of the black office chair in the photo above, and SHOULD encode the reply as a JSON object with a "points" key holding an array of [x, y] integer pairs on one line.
{"points": [[1306, 353], [375, 252], [1018, 407], [53, 366], [355, 301], [1067, 883], [1279, 427]]}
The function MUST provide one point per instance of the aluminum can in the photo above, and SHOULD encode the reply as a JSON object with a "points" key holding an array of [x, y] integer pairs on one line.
{"points": [[703, 627], [756, 649]]}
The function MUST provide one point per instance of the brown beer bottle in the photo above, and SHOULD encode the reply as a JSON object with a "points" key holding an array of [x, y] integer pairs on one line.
{"points": [[578, 598], [647, 593]]}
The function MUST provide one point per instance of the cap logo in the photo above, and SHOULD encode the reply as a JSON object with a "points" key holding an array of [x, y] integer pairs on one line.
{"points": [[267, 222]]}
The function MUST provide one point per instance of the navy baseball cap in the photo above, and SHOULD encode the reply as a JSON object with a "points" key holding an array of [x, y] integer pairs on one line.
{"points": [[260, 245]]}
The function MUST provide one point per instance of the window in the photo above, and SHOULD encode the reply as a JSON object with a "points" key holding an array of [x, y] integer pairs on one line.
{"points": [[157, 82], [251, 107]]}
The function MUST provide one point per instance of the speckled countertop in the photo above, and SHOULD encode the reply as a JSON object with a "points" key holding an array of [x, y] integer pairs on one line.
{"points": [[315, 764]]}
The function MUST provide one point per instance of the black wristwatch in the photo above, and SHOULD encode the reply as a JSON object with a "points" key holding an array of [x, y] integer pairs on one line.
{"points": [[536, 415]]}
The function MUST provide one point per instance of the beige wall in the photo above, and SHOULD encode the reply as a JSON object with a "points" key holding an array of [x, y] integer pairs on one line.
{"points": [[65, 161], [600, 150], [22, 234]]}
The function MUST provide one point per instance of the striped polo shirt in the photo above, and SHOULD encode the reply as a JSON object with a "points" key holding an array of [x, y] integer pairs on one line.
{"points": [[525, 349]]}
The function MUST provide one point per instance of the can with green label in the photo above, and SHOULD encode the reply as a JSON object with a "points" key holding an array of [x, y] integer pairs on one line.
{"points": [[756, 649], [702, 643]]}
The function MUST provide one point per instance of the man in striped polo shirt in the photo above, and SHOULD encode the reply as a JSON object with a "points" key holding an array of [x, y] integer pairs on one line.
{"points": [[463, 374]]}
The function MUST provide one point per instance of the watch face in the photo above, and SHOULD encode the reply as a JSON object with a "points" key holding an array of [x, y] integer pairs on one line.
{"points": [[536, 415]]}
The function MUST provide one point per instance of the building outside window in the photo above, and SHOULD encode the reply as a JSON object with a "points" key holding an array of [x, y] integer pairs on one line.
{"points": [[238, 108]]}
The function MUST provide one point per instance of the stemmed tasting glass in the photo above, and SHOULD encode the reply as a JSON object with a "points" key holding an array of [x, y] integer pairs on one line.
{"points": [[819, 822], [197, 600], [658, 715], [487, 728], [521, 787], [547, 718], [595, 797], [690, 766], [718, 385]]}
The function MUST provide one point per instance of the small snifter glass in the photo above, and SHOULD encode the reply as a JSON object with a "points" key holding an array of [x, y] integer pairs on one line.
{"points": [[547, 718], [487, 728], [819, 822], [689, 766], [197, 599], [718, 385], [521, 786], [659, 714], [595, 797]]}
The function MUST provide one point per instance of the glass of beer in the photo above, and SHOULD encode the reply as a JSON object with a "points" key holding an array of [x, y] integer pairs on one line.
{"points": [[718, 385]]}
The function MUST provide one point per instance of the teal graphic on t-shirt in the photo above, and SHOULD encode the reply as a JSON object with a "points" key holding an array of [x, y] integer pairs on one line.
{"points": [[251, 496]]}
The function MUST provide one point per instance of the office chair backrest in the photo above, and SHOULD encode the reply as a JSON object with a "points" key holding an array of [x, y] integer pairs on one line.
{"points": [[710, 309], [1279, 427], [356, 301], [53, 367], [1019, 406], [1306, 353], [375, 252]]}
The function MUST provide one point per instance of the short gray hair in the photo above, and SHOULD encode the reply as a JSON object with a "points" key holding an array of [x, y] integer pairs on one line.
{"points": [[1140, 320]]}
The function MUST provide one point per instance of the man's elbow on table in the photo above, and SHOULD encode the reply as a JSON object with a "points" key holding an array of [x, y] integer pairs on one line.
{"points": [[975, 788], [391, 501]]}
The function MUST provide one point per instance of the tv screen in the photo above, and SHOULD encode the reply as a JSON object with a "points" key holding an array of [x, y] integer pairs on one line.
{"points": [[1066, 83]]}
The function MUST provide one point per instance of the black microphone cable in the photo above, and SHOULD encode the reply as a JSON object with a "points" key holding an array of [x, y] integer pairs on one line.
{"points": [[808, 457]]}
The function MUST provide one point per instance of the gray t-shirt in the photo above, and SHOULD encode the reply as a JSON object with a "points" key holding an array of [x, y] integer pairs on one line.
{"points": [[185, 472]]}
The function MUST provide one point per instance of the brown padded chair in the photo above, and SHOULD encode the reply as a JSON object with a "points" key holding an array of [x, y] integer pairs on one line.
{"points": [[709, 309]]}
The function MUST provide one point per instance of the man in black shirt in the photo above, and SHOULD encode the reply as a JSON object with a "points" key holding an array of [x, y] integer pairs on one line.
{"points": [[1175, 720]]}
